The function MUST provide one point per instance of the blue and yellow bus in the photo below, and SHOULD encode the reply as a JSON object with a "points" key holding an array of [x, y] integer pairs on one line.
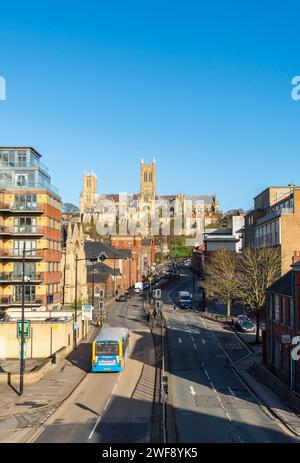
{"points": [[109, 350]]}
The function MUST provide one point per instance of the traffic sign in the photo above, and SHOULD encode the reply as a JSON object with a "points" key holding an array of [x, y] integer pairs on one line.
{"points": [[87, 312], [263, 326], [102, 257], [26, 329], [76, 326]]}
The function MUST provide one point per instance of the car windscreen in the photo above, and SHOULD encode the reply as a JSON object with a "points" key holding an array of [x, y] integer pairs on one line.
{"points": [[107, 348], [247, 324]]}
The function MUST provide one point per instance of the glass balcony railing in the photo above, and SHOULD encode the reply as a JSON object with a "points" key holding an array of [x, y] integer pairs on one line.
{"points": [[10, 185], [11, 253], [17, 299], [22, 207], [30, 230], [15, 276]]}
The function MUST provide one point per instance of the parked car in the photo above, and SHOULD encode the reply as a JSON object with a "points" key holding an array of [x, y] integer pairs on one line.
{"points": [[247, 326], [122, 298], [240, 319]]}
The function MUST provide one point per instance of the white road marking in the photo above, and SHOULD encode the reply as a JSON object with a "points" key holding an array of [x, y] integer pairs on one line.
{"points": [[207, 374], [227, 416], [203, 340], [107, 403], [115, 386], [231, 391], [192, 390], [180, 340], [94, 428]]}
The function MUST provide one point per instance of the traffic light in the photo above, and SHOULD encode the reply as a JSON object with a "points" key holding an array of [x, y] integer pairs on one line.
{"points": [[158, 305], [101, 305], [101, 294], [157, 293]]}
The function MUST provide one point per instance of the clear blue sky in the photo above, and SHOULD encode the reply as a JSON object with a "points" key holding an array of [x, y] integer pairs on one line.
{"points": [[203, 86]]}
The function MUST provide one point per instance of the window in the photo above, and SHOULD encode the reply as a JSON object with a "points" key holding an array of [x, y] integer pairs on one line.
{"points": [[30, 247], [289, 312], [145, 177], [270, 305], [25, 224], [276, 307], [282, 318], [107, 348], [277, 355], [22, 158], [29, 293], [21, 180]]}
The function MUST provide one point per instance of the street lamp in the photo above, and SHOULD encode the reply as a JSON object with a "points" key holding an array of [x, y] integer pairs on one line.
{"points": [[25, 279], [94, 259]]}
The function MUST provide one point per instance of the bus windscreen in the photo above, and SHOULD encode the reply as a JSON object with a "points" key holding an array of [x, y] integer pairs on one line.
{"points": [[107, 348]]}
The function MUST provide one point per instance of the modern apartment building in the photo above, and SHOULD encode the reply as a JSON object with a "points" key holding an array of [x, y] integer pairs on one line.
{"points": [[30, 213], [275, 221]]}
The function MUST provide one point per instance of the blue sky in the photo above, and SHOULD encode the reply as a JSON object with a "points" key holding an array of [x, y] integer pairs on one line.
{"points": [[203, 86]]}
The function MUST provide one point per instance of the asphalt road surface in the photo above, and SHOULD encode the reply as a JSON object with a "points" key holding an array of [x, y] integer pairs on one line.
{"points": [[111, 407], [210, 402]]}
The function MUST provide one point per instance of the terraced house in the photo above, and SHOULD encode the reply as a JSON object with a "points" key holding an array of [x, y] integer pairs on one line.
{"points": [[30, 213]]}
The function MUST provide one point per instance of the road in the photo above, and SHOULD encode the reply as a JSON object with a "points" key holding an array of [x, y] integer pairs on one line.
{"points": [[210, 402], [111, 407]]}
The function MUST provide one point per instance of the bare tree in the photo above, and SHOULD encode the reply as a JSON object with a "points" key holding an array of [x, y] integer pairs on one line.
{"points": [[221, 277], [258, 269]]}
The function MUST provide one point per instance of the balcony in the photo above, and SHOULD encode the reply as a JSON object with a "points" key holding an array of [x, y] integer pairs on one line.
{"points": [[16, 254], [21, 231], [17, 208], [13, 277], [17, 301]]}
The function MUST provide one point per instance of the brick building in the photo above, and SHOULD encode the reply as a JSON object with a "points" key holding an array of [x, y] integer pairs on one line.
{"points": [[275, 221], [282, 324]]}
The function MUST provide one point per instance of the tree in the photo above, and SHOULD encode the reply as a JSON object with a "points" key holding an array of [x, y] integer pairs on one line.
{"points": [[69, 208], [258, 269], [221, 277]]}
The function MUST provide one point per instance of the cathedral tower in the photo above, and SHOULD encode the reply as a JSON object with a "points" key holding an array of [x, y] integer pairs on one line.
{"points": [[87, 196], [148, 181]]}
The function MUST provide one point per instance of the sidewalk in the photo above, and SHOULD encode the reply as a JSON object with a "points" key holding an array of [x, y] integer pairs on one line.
{"points": [[18, 413], [267, 397]]}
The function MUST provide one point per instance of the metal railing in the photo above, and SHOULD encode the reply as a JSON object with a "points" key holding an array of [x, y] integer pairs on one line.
{"points": [[17, 299], [21, 230], [18, 253], [12, 276], [19, 207]]}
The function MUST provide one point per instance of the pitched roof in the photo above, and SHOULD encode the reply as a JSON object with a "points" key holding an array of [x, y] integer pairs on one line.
{"points": [[283, 285], [95, 248], [102, 272]]}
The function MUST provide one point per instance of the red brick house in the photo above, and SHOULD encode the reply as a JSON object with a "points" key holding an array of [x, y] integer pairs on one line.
{"points": [[282, 324]]}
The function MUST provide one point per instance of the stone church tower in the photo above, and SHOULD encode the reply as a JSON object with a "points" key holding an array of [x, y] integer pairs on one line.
{"points": [[87, 196], [148, 181]]}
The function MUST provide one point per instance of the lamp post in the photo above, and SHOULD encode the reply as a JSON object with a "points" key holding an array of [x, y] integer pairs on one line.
{"points": [[75, 303], [25, 279], [94, 259], [22, 360], [193, 266]]}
